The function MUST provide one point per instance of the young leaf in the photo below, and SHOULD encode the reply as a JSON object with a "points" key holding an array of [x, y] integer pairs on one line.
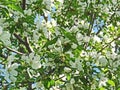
{"points": [[50, 42]]}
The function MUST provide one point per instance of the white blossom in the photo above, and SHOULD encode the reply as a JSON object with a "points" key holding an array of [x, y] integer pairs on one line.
{"points": [[102, 60], [11, 72], [74, 29], [67, 69], [1, 30], [70, 53], [97, 39], [69, 86], [16, 19], [25, 24], [103, 81], [61, 1], [54, 23], [88, 63], [86, 39], [28, 12], [74, 46], [48, 3], [77, 64], [5, 38], [36, 35], [79, 37], [83, 53], [72, 81], [23, 88], [33, 60]]}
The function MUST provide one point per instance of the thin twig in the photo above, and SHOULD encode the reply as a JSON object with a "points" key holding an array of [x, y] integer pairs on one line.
{"points": [[24, 42], [27, 45], [23, 4], [10, 49]]}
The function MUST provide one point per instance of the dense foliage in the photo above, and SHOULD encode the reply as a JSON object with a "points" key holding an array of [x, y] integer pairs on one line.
{"points": [[60, 44]]}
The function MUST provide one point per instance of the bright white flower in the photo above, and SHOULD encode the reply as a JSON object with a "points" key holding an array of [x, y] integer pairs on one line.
{"points": [[48, 25], [1, 30], [83, 53], [58, 49], [58, 43], [35, 64], [37, 85], [70, 53], [32, 60], [118, 23], [103, 81], [69, 86], [31, 56], [102, 60], [23, 88], [57, 32], [63, 77], [25, 24], [61, 1], [86, 39], [13, 79], [79, 37], [65, 40], [10, 59], [74, 29], [67, 69], [94, 54], [74, 46], [51, 46], [113, 56], [6, 24], [77, 64], [82, 22], [88, 63], [5, 38], [54, 23], [48, 3], [46, 33], [11, 73], [97, 39], [16, 19], [36, 35], [2, 20], [106, 38], [28, 12], [72, 81]]}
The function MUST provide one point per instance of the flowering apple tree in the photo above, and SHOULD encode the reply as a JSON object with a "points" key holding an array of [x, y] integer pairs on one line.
{"points": [[60, 44]]}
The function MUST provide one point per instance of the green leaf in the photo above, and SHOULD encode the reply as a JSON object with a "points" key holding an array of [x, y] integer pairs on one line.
{"points": [[15, 7], [118, 88], [50, 42], [111, 82], [48, 82], [68, 77], [66, 47], [102, 88]]}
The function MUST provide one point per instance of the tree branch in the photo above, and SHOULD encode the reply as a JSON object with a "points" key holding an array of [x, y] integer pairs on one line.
{"points": [[109, 43], [23, 4], [25, 43], [19, 38]]}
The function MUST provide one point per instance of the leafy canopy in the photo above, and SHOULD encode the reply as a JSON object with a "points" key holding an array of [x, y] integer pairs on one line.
{"points": [[60, 44]]}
